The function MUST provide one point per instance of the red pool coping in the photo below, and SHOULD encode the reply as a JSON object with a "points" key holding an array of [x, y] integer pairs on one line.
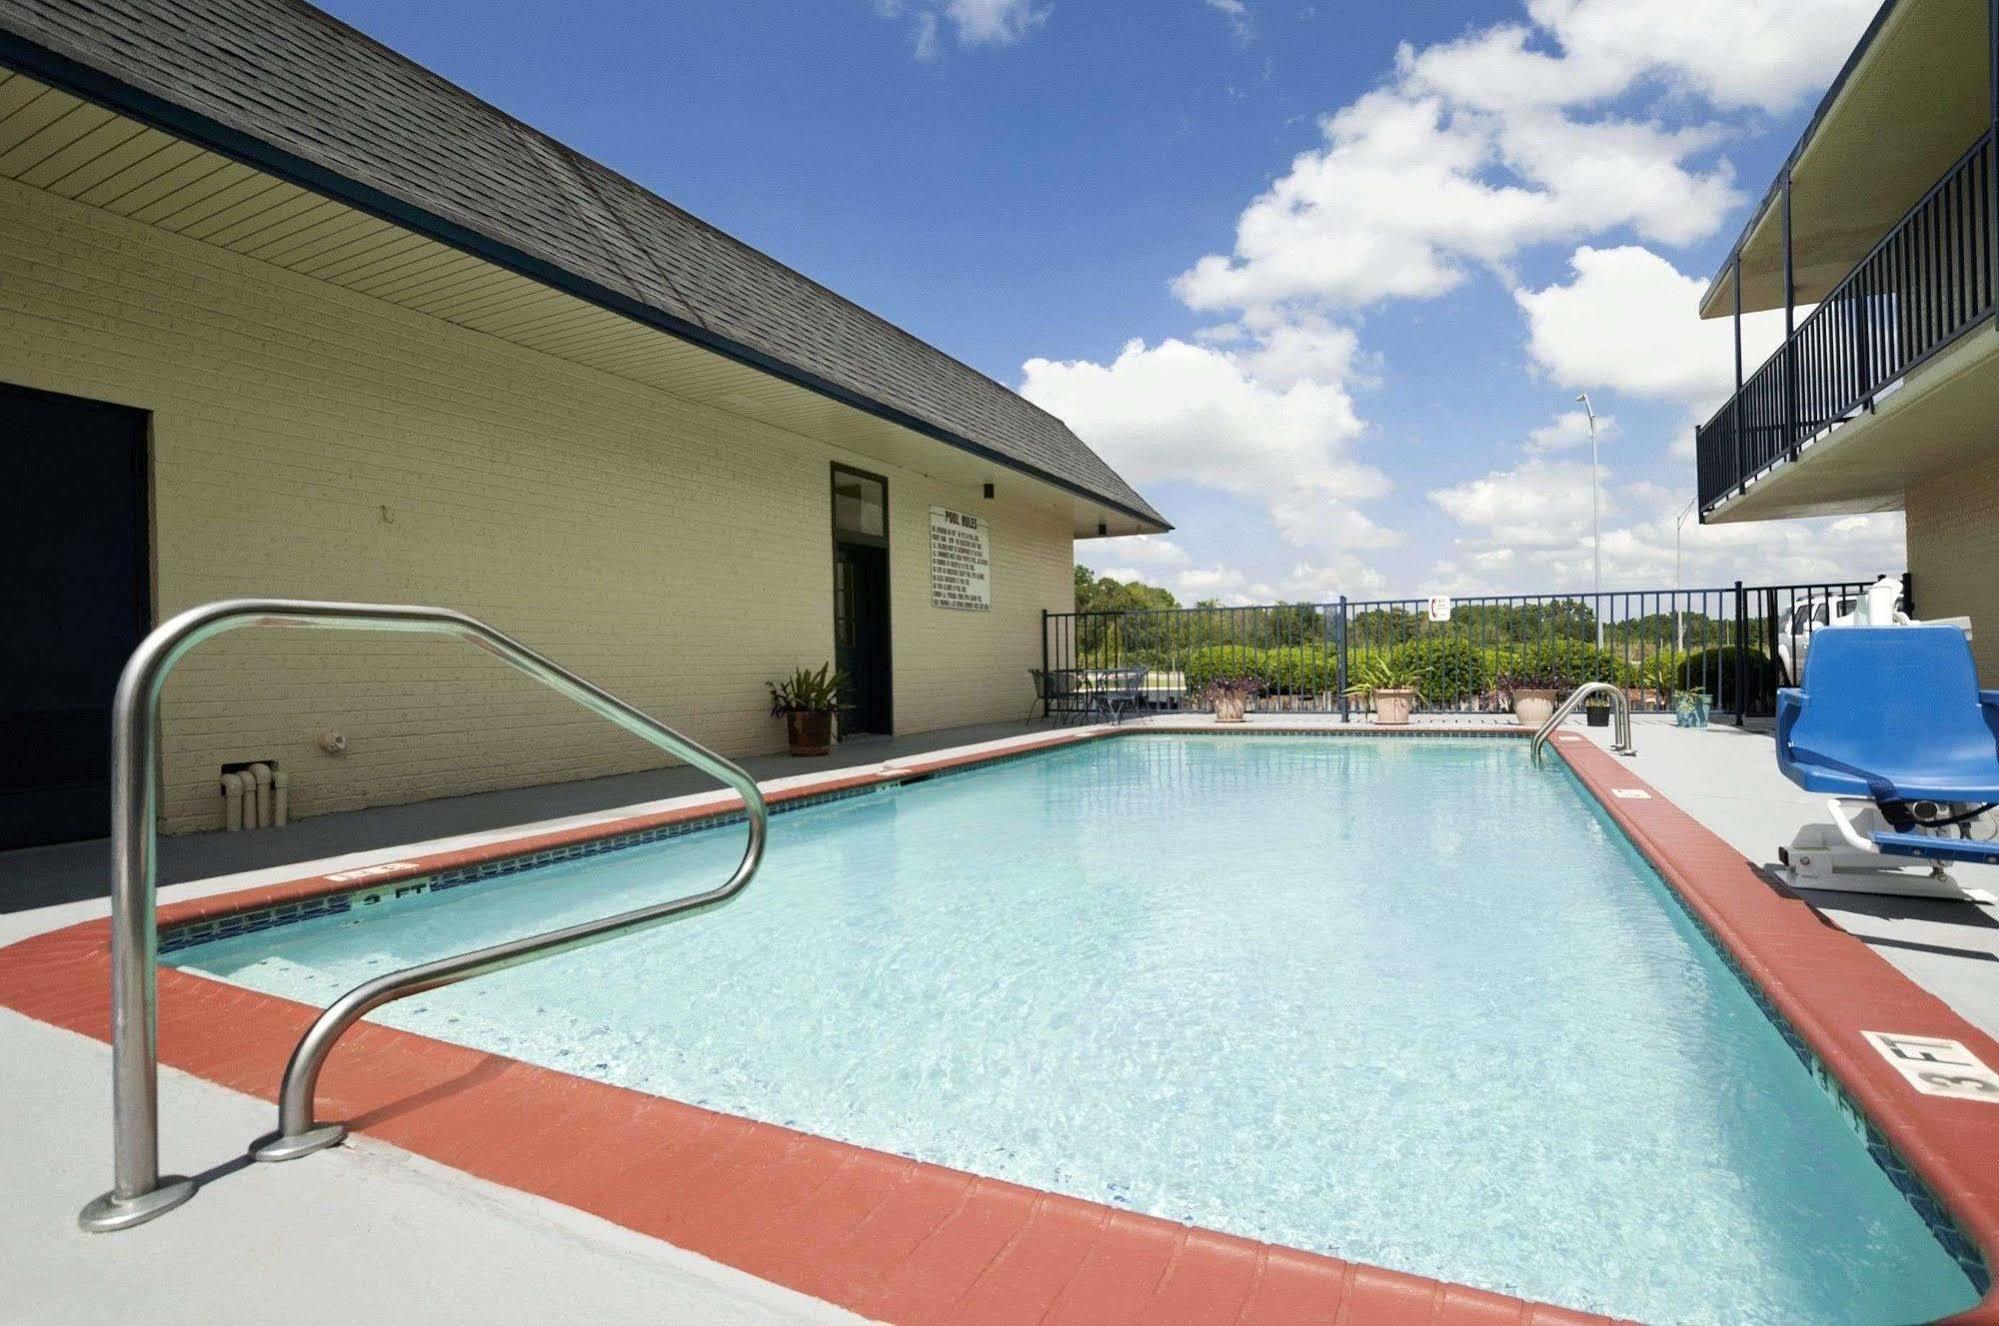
{"points": [[908, 1241]]}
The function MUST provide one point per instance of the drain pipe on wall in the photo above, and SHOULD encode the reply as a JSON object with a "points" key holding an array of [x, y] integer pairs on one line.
{"points": [[260, 774], [232, 801]]}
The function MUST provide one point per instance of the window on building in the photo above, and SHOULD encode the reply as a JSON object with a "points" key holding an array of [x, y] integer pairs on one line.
{"points": [[860, 505]]}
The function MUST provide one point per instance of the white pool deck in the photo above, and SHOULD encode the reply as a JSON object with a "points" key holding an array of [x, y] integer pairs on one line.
{"points": [[369, 1233]]}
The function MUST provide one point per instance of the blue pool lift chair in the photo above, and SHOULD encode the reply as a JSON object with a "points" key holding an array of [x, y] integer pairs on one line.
{"points": [[1891, 726]]}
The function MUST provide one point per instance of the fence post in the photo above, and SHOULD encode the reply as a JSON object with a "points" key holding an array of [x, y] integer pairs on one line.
{"points": [[1340, 672], [1045, 681], [1741, 650]]}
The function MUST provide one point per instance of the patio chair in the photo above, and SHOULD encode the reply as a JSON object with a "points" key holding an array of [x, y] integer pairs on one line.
{"points": [[1890, 724], [1063, 694], [1120, 693]]}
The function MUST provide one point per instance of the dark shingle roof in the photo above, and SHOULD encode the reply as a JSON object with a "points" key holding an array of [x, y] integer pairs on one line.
{"points": [[291, 89]]}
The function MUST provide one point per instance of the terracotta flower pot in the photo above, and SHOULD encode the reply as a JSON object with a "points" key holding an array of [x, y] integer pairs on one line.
{"points": [[1391, 707], [1532, 708], [809, 733], [1231, 708]]}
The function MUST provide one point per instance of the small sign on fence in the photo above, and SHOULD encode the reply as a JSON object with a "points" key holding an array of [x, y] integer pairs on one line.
{"points": [[1440, 607]]}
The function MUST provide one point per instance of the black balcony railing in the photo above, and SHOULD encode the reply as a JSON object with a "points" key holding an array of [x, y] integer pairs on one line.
{"points": [[1927, 282]]}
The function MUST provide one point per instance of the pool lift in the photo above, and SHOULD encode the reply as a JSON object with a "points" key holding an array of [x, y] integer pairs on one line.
{"points": [[1891, 725]]}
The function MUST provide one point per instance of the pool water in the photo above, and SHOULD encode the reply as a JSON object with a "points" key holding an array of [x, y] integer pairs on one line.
{"points": [[1409, 1002]]}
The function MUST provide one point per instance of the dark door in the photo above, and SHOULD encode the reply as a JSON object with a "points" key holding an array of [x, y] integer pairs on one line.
{"points": [[75, 599], [860, 634]]}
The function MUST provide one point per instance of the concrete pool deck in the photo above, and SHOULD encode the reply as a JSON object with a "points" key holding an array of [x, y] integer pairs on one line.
{"points": [[270, 1236]]}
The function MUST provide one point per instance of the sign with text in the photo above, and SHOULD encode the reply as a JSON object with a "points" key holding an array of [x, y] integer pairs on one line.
{"points": [[1936, 1066], [961, 561], [1440, 607]]}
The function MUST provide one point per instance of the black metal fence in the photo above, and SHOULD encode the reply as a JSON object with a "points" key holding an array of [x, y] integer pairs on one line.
{"points": [[1923, 285], [1734, 645]]}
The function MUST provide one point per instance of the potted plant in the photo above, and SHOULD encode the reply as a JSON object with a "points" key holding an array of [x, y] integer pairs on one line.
{"points": [[1596, 710], [1230, 696], [806, 701], [1533, 695], [1690, 708], [1393, 681]]}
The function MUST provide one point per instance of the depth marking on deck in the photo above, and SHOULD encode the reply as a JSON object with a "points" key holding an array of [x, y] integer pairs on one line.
{"points": [[1630, 794], [1568, 736], [1937, 1067], [369, 872]]}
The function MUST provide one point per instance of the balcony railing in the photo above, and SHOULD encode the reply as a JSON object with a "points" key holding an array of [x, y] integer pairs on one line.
{"points": [[1926, 283]]}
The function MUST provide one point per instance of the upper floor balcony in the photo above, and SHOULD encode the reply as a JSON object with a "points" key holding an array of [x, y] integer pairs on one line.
{"points": [[1879, 241]]}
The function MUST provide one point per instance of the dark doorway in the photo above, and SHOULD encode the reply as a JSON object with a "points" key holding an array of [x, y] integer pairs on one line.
{"points": [[860, 600], [74, 602]]}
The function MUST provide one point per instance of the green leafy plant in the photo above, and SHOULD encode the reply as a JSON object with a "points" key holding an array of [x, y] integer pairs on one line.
{"points": [[1239, 687], [1713, 669], [807, 692], [1453, 668], [1395, 670], [1563, 665]]}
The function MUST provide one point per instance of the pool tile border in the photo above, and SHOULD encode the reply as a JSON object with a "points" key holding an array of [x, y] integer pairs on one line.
{"points": [[909, 1241], [1822, 987]]}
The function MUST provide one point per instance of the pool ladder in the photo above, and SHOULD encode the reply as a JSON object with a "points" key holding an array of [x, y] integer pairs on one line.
{"points": [[1620, 705], [139, 1192]]}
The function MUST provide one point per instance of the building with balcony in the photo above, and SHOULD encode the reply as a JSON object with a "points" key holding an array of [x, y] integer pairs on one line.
{"points": [[1879, 239]]}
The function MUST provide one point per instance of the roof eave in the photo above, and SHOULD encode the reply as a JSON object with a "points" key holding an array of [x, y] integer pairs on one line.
{"points": [[116, 94]]}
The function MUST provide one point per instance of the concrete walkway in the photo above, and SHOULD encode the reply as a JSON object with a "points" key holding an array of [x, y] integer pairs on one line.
{"points": [[363, 1233], [1727, 778], [43, 876]]}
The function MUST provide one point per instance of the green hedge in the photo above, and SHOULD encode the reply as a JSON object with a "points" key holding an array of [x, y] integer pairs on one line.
{"points": [[1454, 669], [1566, 664], [1713, 670]]}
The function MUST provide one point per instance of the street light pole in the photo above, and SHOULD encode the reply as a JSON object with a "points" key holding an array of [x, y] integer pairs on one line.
{"points": [[1679, 629], [1595, 526]]}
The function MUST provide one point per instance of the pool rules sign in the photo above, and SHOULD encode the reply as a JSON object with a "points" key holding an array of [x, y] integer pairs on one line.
{"points": [[961, 561]]}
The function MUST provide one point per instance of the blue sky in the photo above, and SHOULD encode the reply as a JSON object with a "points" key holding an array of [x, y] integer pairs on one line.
{"points": [[1322, 278]]}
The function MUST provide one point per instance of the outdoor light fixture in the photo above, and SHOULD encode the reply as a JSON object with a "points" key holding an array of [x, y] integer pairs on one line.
{"points": [[989, 492], [1102, 529]]}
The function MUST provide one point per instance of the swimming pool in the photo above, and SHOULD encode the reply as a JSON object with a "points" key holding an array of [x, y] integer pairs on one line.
{"points": [[1409, 1002]]}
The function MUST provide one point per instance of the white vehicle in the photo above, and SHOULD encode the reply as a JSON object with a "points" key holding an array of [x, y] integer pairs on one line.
{"points": [[1794, 633]]}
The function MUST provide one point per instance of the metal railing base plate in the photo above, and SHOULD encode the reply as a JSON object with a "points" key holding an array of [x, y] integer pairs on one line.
{"points": [[278, 1147], [112, 1212]]}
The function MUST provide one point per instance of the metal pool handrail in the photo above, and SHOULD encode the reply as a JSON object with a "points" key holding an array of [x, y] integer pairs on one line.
{"points": [[138, 1191], [1620, 705]]}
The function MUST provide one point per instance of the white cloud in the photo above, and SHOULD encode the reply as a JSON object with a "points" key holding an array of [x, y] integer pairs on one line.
{"points": [[1206, 414], [1241, 22], [1627, 321], [1480, 147], [1541, 504], [995, 22], [1733, 54], [1137, 555], [1569, 430], [975, 22]]}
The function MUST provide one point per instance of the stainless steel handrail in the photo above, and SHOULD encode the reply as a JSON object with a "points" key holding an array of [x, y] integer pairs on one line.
{"points": [[138, 1191], [1620, 705]]}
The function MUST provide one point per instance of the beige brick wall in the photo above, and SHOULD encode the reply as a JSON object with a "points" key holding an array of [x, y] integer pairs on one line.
{"points": [[1953, 533], [312, 442]]}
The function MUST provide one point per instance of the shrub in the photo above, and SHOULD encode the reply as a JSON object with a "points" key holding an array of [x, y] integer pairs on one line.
{"points": [[1713, 670], [1563, 665], [1207, 664], [1298, 671], [1453, 668]]}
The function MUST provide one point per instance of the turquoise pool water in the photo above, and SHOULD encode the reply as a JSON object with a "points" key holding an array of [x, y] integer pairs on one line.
{"points": [[1409, 1002]]}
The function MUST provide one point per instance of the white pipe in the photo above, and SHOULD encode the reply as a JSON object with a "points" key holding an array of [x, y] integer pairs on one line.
{"points": [[280, 796], [261, 774], [232, 801]]}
